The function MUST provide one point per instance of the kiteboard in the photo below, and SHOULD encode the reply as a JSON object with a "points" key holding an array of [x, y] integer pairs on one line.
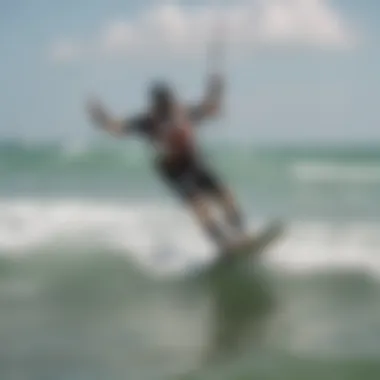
{"points": [[251, 247]]}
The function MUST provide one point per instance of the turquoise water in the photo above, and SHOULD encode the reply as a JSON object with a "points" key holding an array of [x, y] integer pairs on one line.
{"points": [[97, 267]]}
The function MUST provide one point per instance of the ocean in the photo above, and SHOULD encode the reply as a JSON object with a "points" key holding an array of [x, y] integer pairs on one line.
{"points": [[100, 267]]}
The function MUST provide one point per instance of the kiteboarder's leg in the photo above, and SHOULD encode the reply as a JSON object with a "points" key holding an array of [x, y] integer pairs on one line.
{"points": [[201, 209], [209, 183], [181, 177], [233, 214]]}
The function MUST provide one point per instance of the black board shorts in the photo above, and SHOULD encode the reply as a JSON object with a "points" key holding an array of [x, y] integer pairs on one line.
{"points": [[189, 176]]}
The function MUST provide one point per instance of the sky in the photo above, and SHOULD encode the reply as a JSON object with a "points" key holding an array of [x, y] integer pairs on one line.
{"points": [[297, 71]]}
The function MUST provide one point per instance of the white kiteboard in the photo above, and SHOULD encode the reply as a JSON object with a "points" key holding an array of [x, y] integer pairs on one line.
{"points": [[251, 248]]}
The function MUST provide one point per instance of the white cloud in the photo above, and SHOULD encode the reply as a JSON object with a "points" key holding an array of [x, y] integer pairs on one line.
{"points": [[172, 27]]}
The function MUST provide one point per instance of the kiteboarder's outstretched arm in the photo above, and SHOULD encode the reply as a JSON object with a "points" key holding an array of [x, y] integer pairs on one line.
{"points": [[211, 104], [102, 119], [117, 127]]}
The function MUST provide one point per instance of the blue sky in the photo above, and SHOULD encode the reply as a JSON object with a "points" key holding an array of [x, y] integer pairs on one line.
{"points": [[297, 70]]}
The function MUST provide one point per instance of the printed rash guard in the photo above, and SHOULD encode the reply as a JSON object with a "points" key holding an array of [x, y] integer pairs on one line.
{"points": [[171, 138]]}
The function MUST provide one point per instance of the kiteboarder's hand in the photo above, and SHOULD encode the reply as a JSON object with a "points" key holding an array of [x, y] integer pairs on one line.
{"points": [[102, 119], [97, 112]]}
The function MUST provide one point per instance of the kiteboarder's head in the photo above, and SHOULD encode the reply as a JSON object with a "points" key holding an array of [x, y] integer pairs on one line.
{"points": [[161, 98]]}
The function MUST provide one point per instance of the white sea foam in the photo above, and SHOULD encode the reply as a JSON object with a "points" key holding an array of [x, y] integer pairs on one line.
{"points": [[166, 238], [336, 172]]}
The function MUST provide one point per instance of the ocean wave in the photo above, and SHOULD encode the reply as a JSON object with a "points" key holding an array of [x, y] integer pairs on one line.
{"points": [[166, 239]]}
